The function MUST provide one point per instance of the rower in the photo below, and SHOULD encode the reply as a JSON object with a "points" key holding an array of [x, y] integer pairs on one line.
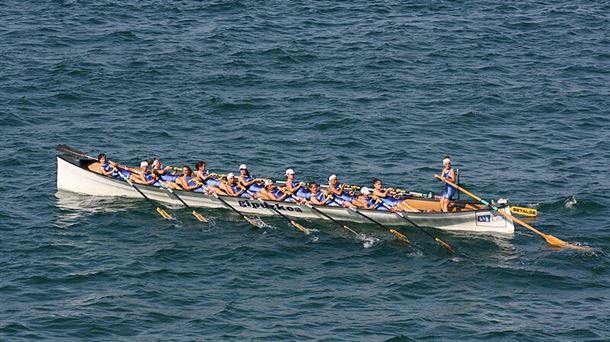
{"points": [[106, 167], [245, 180], [270, 192], [201, 173], [110, 168], [316, 196], [231, 187], [363, 200], [143, 176], [447, 174], [333, 189], [163, 172], [187, 182], [292, 186]]}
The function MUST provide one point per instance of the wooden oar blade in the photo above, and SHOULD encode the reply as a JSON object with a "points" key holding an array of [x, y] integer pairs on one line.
{"points": [[300, 227], [529, 212], [556, 242], [199, 217], [399, 235], [164, 213], [444, 245]]}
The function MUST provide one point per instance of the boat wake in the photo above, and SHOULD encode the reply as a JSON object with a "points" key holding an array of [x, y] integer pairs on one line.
{"points": [[570, 202], [367, 241]]}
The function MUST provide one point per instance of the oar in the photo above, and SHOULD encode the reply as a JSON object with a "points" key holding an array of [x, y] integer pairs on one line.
{"points": [[249, 220], [73, 151], [396, 233], [197, 215], [439, 241], [292, 222], [329, 217], [550, 239], [161, 212]]}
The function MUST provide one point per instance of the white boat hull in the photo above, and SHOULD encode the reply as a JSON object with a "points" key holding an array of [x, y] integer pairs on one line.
{"points": [[71, 177]]}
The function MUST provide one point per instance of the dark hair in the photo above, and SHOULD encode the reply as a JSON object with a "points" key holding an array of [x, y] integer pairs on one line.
{"points": [[376, 180], [247, 172], [200, 163], [187, 167], [312, 183], [99, 156], [447, 156]]}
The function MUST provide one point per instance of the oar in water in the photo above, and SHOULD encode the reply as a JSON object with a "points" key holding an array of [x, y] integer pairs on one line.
{"points": [[550, 239], [396, 233], [329, 217], [439, 241], [197, 215], [161, 212], [249, 220], [292, 222]]}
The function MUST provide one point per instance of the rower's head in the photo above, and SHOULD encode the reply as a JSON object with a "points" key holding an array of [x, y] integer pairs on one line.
{"points": [[313, 187], [332, 179], [269, 184], [144, 166], [156, 163], [289, 173], [200, 166], [230, 178], [101, 158], [364, 192], [447, 162], [243, 170], [377, 183], [186, 170]]}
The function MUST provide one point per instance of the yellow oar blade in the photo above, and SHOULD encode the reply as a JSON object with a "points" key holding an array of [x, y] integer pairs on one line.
{"points": [[164, 213], [529, 212], [556, 242], [399, 235], [444, 245], [300, 227], [199, 216]]}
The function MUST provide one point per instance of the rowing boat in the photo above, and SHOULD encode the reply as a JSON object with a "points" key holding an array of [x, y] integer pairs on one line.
{"points": [[77, 175]]}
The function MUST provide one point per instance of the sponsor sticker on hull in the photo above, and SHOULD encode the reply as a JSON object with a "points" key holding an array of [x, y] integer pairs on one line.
{"points": [[489, 219]]}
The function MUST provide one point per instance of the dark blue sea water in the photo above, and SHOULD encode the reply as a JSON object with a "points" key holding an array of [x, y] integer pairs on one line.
{"points": [[517, 93]]}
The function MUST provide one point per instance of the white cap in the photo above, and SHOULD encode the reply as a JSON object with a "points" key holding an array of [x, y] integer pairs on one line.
{"points": [[243, 167], [365, 191], [446, 160], [230, 175], [268, 182], [144, 164], [331, 177], [289, 172]]}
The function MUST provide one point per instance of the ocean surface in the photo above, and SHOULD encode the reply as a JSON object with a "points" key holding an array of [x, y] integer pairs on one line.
{"points": [[516, 92]]}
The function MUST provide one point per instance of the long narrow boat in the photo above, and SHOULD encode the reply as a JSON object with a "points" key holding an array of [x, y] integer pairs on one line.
{"points": [[78, 175]]}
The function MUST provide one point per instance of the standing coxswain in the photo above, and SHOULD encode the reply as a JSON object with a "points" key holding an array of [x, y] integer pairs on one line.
{"points": [[447, 174]]}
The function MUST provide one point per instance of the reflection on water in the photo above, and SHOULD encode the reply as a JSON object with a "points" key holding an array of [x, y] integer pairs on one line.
{"points": [[73, 207]]}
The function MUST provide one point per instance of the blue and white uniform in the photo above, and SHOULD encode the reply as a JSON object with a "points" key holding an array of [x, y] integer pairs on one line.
{"points": [[449, 191]]}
